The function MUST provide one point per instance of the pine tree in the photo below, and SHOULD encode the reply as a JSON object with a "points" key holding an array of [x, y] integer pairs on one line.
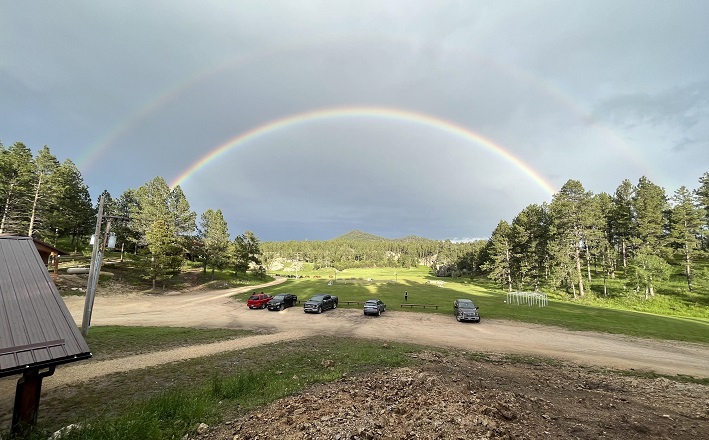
{"points": [[528, 245], [214, 235], [72, 213], [166, 255], [646, 269], [685, 228], [126, 231], [605, 251], [703, 195], [46, 165], [650, 207], [245, 251], [183, 218], [17, 176], [499, 255], [621, 219], [163, 214], [570, 212]]}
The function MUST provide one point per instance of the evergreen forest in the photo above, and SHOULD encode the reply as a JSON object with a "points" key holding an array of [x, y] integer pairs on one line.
{"points": [[640, 233]]}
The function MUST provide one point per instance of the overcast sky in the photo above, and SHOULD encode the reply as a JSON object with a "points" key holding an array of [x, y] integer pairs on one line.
{"points": [[451, 116]]}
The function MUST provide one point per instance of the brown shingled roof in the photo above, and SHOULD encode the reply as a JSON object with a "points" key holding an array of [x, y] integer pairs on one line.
{"points": [[36, 328]]}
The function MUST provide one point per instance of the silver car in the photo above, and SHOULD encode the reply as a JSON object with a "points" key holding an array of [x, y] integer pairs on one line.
{"points": [[374, 307]]}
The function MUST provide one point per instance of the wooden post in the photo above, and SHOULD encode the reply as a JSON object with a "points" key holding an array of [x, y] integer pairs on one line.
{"points": [[55, 259], [27, 393]]}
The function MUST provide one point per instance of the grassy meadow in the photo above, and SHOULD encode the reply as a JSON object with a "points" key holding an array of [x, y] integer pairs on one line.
{"points": [[677, 316]]}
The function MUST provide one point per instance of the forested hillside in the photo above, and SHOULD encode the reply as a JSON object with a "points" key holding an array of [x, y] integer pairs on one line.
{"points": [[48, 200], [639, 232], [359, 249]]}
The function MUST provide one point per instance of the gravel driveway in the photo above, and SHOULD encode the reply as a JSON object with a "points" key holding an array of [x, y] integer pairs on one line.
{"points": [[214, 309]]}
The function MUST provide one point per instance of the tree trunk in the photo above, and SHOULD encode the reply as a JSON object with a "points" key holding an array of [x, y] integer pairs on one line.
{"points": [[7, 207], [588, 263], [579, 272], [509, 272], [623, 251], [687, 267], [34, 206], [651, 288], [573, 287]]}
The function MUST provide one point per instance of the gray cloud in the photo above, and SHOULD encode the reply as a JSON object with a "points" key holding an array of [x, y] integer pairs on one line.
{"points": [[596, 91]]}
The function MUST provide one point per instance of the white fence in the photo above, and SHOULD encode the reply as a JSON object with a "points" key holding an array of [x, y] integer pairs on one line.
{"points": [[530, 298]]}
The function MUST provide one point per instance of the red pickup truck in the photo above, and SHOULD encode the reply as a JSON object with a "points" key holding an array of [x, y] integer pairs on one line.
{"points": [[258, 300]]}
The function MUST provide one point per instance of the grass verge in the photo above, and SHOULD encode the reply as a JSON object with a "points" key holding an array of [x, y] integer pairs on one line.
{"points": [[170, 400], [108, 342]]}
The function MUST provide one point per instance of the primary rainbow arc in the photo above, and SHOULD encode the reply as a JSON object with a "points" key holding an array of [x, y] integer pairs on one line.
{"points": [[364, 111]]}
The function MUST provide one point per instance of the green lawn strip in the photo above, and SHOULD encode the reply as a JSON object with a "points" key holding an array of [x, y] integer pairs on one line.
{"points": [[108, 342], [167, 401], [580, 315]]}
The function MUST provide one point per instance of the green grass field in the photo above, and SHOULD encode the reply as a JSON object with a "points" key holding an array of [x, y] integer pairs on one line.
{"points": [[681, 322]]}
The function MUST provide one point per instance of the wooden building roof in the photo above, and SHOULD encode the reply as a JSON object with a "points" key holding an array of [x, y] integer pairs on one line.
{"points": [[44, 249], [36, 328]]}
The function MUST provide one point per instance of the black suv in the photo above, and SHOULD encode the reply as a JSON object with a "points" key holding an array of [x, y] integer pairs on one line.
{"points": [[281, 301], [465, 310]]}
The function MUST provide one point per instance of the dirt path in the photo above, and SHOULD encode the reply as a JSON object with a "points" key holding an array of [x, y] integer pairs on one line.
{"points": [[215, 310]]}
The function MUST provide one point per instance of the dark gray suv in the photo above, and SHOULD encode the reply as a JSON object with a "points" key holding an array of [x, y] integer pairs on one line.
{"points": [[465, 310]]}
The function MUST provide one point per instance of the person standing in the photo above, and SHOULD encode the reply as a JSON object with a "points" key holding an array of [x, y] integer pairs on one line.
{"points": [[406, 296]]}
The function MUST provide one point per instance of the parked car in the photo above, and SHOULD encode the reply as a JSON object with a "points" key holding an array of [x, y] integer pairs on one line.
{"points": [[374, 307], [281, 301], [466, 310], [258, 300], [320, 302]]}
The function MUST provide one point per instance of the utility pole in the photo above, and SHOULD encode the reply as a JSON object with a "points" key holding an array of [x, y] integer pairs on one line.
{"points": [[93, 274], [99, 248]]}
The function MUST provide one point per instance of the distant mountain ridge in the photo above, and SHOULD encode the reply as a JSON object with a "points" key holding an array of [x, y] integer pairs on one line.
{"points": [[358, 249], [357, 235]]}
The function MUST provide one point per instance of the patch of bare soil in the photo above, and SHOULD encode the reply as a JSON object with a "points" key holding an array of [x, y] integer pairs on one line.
{"points": [[457, 397], [73, 284]]}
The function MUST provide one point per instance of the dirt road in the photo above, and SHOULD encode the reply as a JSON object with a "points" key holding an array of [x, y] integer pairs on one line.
{"points": [[441, 395], [216, 310]]}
